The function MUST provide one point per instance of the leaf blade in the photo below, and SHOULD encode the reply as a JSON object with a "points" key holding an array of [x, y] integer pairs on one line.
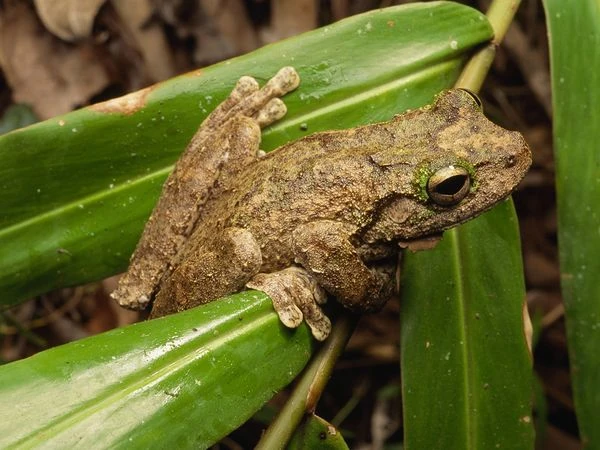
{"points": [[462, 334], [144, 385], [575, 88]]}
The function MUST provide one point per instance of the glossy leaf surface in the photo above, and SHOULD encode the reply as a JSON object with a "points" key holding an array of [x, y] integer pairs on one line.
{"points": [[575, 94], [76, 190], [182, 381]]}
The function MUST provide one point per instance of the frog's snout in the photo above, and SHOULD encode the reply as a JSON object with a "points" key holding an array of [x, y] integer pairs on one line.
{"points": [[517, 155]]}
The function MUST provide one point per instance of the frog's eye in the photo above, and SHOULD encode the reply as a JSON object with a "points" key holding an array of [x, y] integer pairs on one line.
{"points": [[449, 185], [474, 96]]}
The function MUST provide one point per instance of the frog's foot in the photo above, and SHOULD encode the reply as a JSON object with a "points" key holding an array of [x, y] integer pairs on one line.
{"points": [[244, 88], [131, 295], [295, 295]]}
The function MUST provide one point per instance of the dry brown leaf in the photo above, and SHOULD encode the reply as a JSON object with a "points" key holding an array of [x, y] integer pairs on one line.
{"points": [[233, 23], [290, 18], [70, 20], [50, 75], [135, 16]]}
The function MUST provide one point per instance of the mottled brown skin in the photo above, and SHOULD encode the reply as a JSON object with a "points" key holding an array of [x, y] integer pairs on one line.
{"points": [[324, 215]]}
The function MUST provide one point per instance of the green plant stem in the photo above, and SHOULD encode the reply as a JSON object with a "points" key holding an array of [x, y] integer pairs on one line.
{"points": [[500, 15], [310, 387], [476, 69]]}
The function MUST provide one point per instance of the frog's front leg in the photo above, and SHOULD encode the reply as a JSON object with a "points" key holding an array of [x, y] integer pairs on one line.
{"points": [[212, 153], [324, 249]]}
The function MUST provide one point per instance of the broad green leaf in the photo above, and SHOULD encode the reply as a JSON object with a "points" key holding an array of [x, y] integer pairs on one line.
{"points": [[575, 93], [466, 370], [182, 381], [76, 190]]}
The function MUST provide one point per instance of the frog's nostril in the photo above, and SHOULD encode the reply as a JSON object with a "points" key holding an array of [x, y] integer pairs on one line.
{"points": [[511, 160]]}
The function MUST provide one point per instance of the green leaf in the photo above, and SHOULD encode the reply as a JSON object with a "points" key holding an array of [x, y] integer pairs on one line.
{"points": [[317, 433], [77, 189], [575, 94], [466, 370], [183, 381]]}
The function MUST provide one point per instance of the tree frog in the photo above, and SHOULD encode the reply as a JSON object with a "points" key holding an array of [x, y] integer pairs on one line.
{"points": [[323, 216]]}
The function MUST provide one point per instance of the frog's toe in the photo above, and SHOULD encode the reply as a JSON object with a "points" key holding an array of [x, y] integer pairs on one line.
{"points": [[129, 297], [244, 87], [319, 323], [284, 81], [296, 296], [274, 110], [279, 288], [289, 314]]}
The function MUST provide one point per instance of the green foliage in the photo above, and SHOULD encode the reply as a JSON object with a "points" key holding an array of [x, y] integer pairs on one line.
{"points": [[316, 432], [466, 370], [182, 381], [575, 93], [16, 116]]}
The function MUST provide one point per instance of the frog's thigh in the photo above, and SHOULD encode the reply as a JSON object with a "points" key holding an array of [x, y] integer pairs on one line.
{"points": [[323, 248], [209, 272], [296, 295]]}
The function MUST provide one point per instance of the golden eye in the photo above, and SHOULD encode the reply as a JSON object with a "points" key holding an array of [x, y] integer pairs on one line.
{"points": [[449, 185]]}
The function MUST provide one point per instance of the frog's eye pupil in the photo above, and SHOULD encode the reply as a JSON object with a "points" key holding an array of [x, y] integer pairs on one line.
{"points": [[449, 185]]}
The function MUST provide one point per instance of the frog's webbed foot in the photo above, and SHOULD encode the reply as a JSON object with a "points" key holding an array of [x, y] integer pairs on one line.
{"points": [[296, 295]]}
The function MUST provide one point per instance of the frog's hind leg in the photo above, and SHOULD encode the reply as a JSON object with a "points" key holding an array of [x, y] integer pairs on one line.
{"points": [[210, 271], [212, 154]]}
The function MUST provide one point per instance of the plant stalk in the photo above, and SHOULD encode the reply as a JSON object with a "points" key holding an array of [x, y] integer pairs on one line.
{"points": [[500, 15], [310, 387]]}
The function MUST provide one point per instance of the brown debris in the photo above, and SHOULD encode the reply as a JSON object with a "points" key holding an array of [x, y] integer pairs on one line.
{"points": [[127, 104], [70, 20], [43, 71]]}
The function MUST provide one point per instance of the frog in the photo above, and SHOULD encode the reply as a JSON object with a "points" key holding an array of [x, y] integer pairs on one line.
{"points": [[325, 216]]}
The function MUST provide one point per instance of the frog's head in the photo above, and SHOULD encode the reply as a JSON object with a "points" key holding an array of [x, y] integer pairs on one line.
{"points": [[461, 165]]}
